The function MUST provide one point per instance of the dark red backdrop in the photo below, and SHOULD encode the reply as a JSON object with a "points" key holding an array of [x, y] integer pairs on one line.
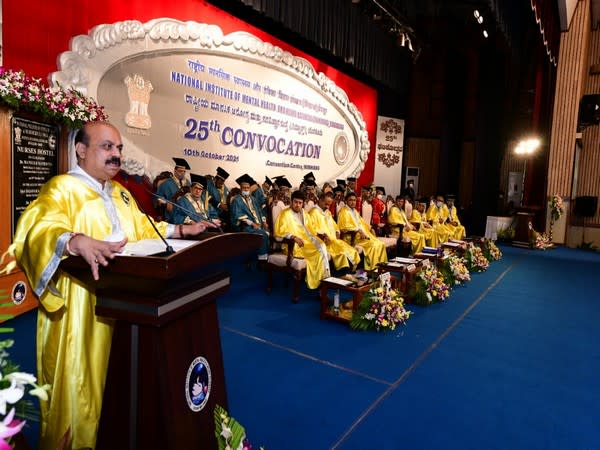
{"points": [[36, 32]]}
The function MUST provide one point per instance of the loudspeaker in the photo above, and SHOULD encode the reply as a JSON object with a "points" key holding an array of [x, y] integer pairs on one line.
{"points": [[586, 206], [589, 110]]}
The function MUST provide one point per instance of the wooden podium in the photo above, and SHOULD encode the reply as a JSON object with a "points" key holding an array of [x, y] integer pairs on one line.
{"points": [[166, 340]]}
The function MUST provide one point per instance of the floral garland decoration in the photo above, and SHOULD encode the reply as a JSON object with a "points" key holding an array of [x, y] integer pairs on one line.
{"points": [[476, 261], [381, 308], [430, 287], [556, 207], [230, 434], [21, 92], [540, 241], [455, 270]]}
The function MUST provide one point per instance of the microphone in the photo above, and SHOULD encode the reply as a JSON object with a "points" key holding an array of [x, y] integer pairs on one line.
{"points": [[187, 211], [168, 248]]}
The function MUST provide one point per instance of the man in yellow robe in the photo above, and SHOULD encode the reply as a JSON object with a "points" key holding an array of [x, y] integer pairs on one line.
{"points": [[396, 217], [323, 226], [453, 222], [82, 213], [437, 215], [294, 223], [418, 219], [350, 220]]}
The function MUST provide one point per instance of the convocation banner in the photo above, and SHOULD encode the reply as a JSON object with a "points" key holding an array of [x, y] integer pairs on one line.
{"points": [[183, 89], [388, 154]]}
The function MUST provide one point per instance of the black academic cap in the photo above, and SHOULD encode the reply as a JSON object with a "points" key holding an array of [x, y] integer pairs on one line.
{"points": [[424, 200], [380, 188], [310, 182], [198, 179], [309, 176], [338, 189], [222, 173], [351, 178], [245, 179], [282, 181], [268, 181], [180, 162], [341, 183]]}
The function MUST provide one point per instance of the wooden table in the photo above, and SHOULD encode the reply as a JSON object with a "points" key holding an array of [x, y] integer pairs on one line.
{"points": [[344, 315], [407, 276]]}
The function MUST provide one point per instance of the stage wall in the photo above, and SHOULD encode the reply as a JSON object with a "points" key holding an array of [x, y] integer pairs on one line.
{"points": [[32, 41]]}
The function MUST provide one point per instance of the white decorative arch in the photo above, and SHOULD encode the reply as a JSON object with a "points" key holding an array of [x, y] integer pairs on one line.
{"points": [[92, 56]]}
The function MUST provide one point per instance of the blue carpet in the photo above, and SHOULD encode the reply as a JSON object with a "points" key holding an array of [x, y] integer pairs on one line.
{"points": [[509, 361]]}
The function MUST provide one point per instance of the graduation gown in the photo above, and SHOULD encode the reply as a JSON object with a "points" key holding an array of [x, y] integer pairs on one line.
{"points": [[342, 253], [167, 190], [244, 209], [192, 210], [314, 250], [396, 216], [434, 214], [73, 344], [350, 220], [458, 230]]}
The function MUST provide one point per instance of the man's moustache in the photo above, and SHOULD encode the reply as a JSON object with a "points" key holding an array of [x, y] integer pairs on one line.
{"points": [[114, 161]]}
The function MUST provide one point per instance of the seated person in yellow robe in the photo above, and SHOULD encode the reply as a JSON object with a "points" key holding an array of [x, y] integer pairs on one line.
{"points": [[396, 217], [350, 220], [453, 223], [294, 223], [418, 219], [81, 213], [437, 215], [323, 226]]}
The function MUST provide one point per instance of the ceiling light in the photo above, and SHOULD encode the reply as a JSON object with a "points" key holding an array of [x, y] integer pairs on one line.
{"points": [[480, 19], [476, 14], [485, 34]]}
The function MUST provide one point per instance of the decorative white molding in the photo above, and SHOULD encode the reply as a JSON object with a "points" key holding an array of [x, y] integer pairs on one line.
{"points": [[92, 55]]}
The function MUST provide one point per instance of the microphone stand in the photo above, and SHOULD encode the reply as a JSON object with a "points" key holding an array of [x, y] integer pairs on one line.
{"points": [[168, 248]]}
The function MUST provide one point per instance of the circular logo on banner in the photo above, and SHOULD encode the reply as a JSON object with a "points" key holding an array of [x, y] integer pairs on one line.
{"points": [[198, 384], [19, 292], [341, 148]]}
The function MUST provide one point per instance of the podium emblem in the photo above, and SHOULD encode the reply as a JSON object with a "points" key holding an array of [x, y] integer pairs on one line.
{"points": [[19, 292], [198, 384], [138, 90]]}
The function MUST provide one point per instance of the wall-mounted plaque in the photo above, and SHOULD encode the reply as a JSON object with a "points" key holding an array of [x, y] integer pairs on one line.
{"points": [[35, 160]]}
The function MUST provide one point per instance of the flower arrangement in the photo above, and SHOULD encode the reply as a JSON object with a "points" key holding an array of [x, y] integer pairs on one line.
{"points": [[491, 250], [230, 434], [455, 270], [13, 387], [430, 286], [476, 261], [381, 308], [556, 207], [540, 240], [21, 92]]}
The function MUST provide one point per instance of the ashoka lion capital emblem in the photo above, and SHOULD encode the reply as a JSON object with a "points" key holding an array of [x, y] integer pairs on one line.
{"points": [[138, 90]]}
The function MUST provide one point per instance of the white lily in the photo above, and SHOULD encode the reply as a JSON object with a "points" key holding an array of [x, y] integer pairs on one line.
{"points": [[11, 394]]}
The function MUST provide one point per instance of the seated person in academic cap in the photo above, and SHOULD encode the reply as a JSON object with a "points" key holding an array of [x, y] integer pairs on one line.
{"points": [[453, 222], [350, 220], [366, 205], [310, 190], [339, 195], [167, 189], [218, 193], [282, 199], [437, 215], [325, 228], [351, 185], [396, 217], [294, 223], [378, 215], [418, 219], [247, 215], [195, 206]]}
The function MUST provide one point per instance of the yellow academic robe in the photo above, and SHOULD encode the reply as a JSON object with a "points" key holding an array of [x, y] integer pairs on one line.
{"points": [[434, 214], [431, 237], [342, 253], [73, 344], [398, 217], [374, 249], [458, 230], [314, 251]]}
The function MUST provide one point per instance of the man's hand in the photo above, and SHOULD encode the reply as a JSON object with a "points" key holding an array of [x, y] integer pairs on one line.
{"points": [[298, 241], [196, 228], [95, 252]]}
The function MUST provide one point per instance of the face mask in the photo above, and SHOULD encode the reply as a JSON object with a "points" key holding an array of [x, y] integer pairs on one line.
{"points": [[245, 193], [380, 196], [438, 204]]}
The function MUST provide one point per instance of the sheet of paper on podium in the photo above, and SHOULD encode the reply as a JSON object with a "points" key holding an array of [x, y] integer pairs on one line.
{"points": [[147, 247]]}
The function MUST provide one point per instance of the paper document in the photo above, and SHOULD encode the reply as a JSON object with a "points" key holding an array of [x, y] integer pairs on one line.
{"points": [[405, 260], [339, 281], [451, 244], [147, 247]]}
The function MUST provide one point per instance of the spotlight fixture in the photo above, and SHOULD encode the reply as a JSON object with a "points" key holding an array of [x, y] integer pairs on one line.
{"points": [[480, 19], [485, 34], [527, 146], [476, 14]]}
